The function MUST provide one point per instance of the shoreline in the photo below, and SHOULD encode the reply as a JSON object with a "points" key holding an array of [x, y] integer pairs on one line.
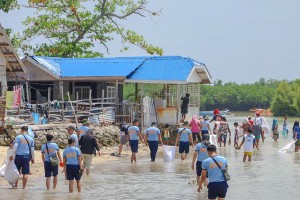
{"points": [[37, 169]]}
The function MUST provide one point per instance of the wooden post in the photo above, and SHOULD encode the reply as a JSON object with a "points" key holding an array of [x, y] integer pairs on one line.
{"points": [[49, 94], [198, 85], [90, 100], [178, 102], [75, 116], [117, 92], [136, 92], [27, 92], [77, 102], [102, 98], [61, 86]]}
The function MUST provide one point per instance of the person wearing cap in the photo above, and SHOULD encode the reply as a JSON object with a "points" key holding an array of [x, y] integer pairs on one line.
{"points": [[217, 186], [123, 137], [204, 126], [84, 128], [87, 145], [48, 150], [134, 135], [23, 148], [260, 121], [152, 136], [72, 134], [200, 154], [257, 131], [184, 136], [72, 165]]}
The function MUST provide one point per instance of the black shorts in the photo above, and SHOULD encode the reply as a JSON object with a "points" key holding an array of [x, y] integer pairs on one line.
{"points": [[134, 145], [50, 170], [217, 189], [184, 147], [72, 172]]}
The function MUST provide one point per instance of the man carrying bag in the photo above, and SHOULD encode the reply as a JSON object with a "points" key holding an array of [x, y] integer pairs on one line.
{"points": [[24, 150]]}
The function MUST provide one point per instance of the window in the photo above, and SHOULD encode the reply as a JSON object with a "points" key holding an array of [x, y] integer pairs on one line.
{"points": [[111, 93], [83, 92]]}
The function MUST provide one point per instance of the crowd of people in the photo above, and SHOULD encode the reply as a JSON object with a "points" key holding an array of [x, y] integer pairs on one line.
{"points": [[204, 135], [74, 160]]}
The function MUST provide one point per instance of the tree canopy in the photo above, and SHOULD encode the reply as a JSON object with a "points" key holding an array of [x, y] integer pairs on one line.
{"points": [[71, 28]]}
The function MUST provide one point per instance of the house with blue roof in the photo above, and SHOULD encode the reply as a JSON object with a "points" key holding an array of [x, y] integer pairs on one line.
{"points": [[171, 76]]}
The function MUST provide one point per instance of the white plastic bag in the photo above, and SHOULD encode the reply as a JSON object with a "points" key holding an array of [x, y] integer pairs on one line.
{"points": [[11, 173], [2, 169], [213, 139], [169, 153], [287, 147]]}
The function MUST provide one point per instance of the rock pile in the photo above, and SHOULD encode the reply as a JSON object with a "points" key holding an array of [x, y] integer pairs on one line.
{"points": [[105, 136]]}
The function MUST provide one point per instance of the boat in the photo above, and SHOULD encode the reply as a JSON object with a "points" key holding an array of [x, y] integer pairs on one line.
{"points": [[211, 113], [264, 112]]}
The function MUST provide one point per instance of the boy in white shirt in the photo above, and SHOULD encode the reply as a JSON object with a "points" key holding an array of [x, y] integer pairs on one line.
{"points": [[249, 144]]}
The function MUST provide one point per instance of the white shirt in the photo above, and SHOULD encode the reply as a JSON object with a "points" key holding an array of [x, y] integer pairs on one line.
{"points": [[248, 142]]}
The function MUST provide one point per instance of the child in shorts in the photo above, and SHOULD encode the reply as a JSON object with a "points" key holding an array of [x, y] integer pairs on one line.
{"points": [[236, 135], [167, 134], [249, 143]]}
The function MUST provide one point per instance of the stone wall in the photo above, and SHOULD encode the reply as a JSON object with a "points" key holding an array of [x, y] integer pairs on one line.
{"points": [[105, 136]]}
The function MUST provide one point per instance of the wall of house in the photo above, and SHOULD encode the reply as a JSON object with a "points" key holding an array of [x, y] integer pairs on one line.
{"points": [[37, 74]]}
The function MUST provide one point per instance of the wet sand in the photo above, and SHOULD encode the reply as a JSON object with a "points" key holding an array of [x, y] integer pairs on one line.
{"points": [[37, 169]]}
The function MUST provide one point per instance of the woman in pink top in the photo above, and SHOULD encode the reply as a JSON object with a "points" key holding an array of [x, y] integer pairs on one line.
{"points": [[195, 127]]}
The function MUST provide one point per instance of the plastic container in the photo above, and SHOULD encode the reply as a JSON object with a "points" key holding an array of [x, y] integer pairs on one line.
{"points": [[169, 153]]}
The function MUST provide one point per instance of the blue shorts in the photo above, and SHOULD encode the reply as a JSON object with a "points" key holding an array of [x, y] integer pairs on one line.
{"points": [[22, 161], [134, 145], [184, 147], [50, 170], [204, 132], [198, 168], [72, 172], [217, 189]]}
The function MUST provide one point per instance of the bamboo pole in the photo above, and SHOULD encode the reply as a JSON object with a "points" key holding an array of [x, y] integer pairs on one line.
{"points": [[75, 115]]}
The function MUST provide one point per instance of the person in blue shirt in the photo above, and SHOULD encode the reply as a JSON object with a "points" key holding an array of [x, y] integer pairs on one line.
{"points": [[184, 135], [72, 134], [24, 150], [48, 150], [72, 165], [200, 154], [84, 128], [217, 186], [152, 136], [134, 135]]}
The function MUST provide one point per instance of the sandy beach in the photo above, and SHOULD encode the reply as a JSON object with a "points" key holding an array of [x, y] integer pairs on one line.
{"points": [[37, 169]]}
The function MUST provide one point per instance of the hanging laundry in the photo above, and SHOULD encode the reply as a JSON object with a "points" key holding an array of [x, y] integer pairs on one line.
{"points": [[9, 99]]}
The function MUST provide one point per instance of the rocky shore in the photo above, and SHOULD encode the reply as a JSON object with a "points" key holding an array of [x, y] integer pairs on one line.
{"points": [[106, 136]]}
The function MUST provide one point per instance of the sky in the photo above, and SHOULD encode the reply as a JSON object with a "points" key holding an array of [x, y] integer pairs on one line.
{"points": [[239, 41]]}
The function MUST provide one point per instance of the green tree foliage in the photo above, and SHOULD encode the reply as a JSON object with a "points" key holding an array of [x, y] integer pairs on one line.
{"points": [[238, 97], [71, 28], [7, 5], [284, 100]]}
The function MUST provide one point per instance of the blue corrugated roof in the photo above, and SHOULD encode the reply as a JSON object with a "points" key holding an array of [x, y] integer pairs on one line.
{"points": [[151, 68], [90, 67], [165, 68]]}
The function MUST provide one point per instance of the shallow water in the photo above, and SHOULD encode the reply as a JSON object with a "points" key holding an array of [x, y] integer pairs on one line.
{"points": [[270, 175]]}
